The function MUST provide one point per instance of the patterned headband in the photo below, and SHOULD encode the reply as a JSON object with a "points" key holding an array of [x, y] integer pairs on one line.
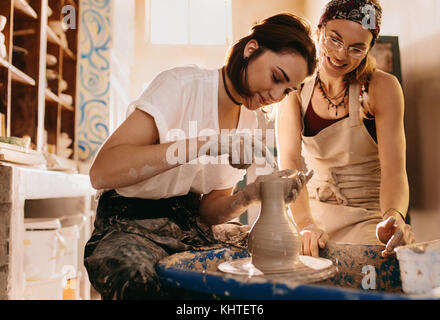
{"points": [[365, 12]]}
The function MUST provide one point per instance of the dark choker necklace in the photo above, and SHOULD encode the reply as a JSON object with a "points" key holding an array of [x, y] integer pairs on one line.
{"points": [[227, 90]]}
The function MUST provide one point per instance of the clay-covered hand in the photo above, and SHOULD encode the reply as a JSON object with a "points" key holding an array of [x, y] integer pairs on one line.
{"points": [[230, 231], [242, 149], [294, 184], [294, 179], [394, 232], [312, 239]]}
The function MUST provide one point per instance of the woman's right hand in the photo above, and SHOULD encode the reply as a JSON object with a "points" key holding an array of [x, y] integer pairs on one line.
{"points": [[242, 149], [295, 181], [394, 232]]}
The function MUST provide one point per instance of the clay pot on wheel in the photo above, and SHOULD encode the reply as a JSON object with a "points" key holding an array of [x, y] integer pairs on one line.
{"points": [[274, 242]]}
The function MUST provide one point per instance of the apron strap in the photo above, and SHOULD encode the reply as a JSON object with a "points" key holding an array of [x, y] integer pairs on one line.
{"points": [[353, 104], [306, 93]]}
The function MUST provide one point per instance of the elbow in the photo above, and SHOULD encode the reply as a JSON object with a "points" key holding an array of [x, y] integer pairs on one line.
{"points": [[96, 178], [95, 184], [211, 219], [207, 219]]}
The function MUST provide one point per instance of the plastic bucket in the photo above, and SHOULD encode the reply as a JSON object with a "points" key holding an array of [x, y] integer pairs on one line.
{"points": [[70, 231], [46, 289], [43, 246], [419, 267], [68, 263]]}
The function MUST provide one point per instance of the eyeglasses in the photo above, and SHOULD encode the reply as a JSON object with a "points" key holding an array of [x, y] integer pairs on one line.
{"points": [[336, 44]]}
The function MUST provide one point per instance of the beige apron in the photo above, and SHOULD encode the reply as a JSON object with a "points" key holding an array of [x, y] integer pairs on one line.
{"points": [[344, 190]]}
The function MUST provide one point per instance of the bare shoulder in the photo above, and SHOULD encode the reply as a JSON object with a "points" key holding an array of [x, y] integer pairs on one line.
{"points": [[382, 81], [385, 92], [290, 103]]}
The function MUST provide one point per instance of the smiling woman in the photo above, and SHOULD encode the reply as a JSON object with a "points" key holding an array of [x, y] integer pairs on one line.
{"points": [[347, 123], [276, 39]]}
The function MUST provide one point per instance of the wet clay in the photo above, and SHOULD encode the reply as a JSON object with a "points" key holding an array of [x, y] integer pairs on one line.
{"points": [[274, 242], [307, 269]]}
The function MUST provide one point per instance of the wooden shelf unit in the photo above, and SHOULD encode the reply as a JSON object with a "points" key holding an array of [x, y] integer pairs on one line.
{"points": [[30, 103]]}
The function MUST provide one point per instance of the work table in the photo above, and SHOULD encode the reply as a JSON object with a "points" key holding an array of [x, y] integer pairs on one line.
{"points": [[56, 194]]}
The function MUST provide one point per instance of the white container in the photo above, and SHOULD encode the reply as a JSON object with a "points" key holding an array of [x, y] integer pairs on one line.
{"points": [[3, 51], [3, 21], [419, 265], [43, 246], [69, 261], [70, 231], [46, 289]]}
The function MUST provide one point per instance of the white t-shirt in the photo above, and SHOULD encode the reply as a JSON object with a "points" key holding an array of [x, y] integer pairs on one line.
{"points": [[185, 100]]}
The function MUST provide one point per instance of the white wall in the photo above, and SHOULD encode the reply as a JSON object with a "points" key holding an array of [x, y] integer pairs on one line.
{"points": [[314, 9], [121, 59], [149, 60], [246, 13], [418, 28]]}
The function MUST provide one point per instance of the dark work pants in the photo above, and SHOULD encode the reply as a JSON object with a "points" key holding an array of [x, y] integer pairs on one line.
{"points": [[131, 235]]}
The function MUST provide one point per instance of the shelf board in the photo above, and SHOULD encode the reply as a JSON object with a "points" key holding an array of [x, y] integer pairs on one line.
{"points": [[24, 32], [52, 97], [69, 54], [17, 74], [53, 38], [17, 154], [24, 7]]}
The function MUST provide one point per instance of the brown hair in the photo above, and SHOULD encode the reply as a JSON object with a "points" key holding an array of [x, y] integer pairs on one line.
{"points": [[280, 33], [364, 71], [367, 66]]}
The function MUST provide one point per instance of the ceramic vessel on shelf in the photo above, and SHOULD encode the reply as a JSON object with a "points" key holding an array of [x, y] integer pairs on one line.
{"points": [[3, 21]]}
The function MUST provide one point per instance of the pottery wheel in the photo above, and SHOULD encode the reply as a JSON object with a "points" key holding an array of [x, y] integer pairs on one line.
{"points": [[308, 269]]}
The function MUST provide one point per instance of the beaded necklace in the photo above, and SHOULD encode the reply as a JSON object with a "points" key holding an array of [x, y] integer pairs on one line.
{"points": [[329, 100]]}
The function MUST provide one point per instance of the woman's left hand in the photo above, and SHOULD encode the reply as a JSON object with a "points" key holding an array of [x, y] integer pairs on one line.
{"points": [[312, 238], [394, 232]]}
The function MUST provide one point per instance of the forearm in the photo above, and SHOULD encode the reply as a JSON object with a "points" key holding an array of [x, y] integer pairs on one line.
{"points": [[220, 206], [225, 208], [300, 207], [126, 164], [394, 193], [301, 210]]}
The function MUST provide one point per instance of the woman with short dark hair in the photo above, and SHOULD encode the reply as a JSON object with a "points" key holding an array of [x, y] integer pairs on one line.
{"points": [[154, 202]]}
